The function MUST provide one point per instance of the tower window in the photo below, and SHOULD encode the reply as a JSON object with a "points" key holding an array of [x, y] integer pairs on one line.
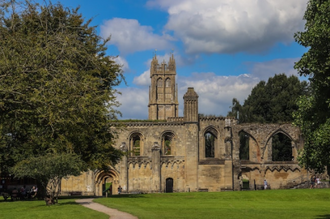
{"points": [[168, 82], [160, 82]]}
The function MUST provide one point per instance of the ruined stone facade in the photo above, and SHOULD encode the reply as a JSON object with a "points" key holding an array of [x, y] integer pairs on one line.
{"points": [[193, 152]]}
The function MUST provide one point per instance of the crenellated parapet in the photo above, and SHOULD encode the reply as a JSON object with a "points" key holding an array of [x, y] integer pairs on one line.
{"points": [[175, 119], [148, 124]]}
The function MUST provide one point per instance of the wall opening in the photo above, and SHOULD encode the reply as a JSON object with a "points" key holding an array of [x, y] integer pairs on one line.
{"points": [[209, 144], [136, 145], [169, 185], [281, 148], [244, 147], [167, 143]]}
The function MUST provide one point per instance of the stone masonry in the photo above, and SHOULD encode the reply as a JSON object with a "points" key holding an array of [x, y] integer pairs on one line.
{"points": [[191, 153]]}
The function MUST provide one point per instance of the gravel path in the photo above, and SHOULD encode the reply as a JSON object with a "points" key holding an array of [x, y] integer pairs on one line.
{"points": [[113, 213]]}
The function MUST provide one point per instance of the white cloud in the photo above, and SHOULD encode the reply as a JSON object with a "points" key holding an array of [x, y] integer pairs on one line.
{"points": [[231, 26], [129, 36], [265, 70], [134, 103], [123, 62], [216, 92], [143, 79]]}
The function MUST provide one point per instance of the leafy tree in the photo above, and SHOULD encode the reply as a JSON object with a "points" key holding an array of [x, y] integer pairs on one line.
{"points": [[313, 116], [56, 87], [270, 102], [54, 168]]}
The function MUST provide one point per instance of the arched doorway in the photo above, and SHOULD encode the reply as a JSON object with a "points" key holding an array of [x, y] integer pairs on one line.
{"points": [[106, 182], [169, 185]]}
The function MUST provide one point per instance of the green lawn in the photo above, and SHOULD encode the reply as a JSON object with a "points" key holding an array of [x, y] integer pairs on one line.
{"points": [[66, 208], [302, 203]]}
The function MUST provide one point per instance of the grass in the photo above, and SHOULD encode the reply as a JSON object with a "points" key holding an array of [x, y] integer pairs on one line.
{"points": [[302, 203], [65, 209]]}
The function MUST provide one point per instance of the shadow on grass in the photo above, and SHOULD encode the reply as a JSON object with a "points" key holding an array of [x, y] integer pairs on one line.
{"points": [[326, 216], [127, 196]]}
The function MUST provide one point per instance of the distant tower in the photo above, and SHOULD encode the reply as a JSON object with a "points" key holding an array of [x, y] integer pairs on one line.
{"points": [[163, 92], [190, 113]]}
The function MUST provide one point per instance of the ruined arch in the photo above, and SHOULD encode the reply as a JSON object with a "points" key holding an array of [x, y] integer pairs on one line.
{"points": [[280, 146], [106, 178], [249, 149], [168, 143], [136, 144], [210, 142]]}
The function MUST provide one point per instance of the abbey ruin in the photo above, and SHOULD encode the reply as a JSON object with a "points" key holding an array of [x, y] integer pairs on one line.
{"points": [[194, 153]]}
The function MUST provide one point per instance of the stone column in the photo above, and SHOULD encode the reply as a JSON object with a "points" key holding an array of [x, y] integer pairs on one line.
{"points": [[124, 169], [191, 165], [156, 183]]}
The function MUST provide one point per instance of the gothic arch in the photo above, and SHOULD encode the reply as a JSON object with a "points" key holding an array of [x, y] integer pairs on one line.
{"points": [[253, 151], [210, 143], [280, 130], [160, 82], [212, 129], [268, 152]]}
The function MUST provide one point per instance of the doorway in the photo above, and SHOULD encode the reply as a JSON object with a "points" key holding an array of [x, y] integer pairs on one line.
{"points": [[169, 185]]}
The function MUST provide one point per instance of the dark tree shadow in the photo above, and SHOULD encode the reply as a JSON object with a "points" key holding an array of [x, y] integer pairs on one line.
{"points": [[325, 216]]}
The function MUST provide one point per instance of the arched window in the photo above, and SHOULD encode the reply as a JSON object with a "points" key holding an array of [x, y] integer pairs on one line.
{"points": [[281, 148], [167, 143], [244, 148], [209, 144], [160, 82], [168, 82], [136, 144]]}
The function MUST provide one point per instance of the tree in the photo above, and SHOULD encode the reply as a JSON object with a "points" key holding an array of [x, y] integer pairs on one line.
{"points": [[54, 168], [56, 87], [272, 101], [313, 116]]}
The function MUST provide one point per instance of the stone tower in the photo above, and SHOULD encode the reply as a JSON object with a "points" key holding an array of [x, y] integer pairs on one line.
{"points": [[190, 113], [163, 92]]}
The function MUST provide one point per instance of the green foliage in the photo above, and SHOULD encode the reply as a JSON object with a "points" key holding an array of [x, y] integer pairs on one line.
{"points": [[209, 144], [281, 148], [244, 147], [270, 102], [167, 147], [49, 170], [57, 86], [136, 147], [313, 116]]}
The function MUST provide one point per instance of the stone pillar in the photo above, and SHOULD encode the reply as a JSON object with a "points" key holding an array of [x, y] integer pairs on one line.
{"points": [[228, 175], [124, 169], [191, 141], [156, 183]]}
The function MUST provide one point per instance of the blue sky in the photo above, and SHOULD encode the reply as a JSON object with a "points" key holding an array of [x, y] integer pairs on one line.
{"points": [[222, 47]]}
